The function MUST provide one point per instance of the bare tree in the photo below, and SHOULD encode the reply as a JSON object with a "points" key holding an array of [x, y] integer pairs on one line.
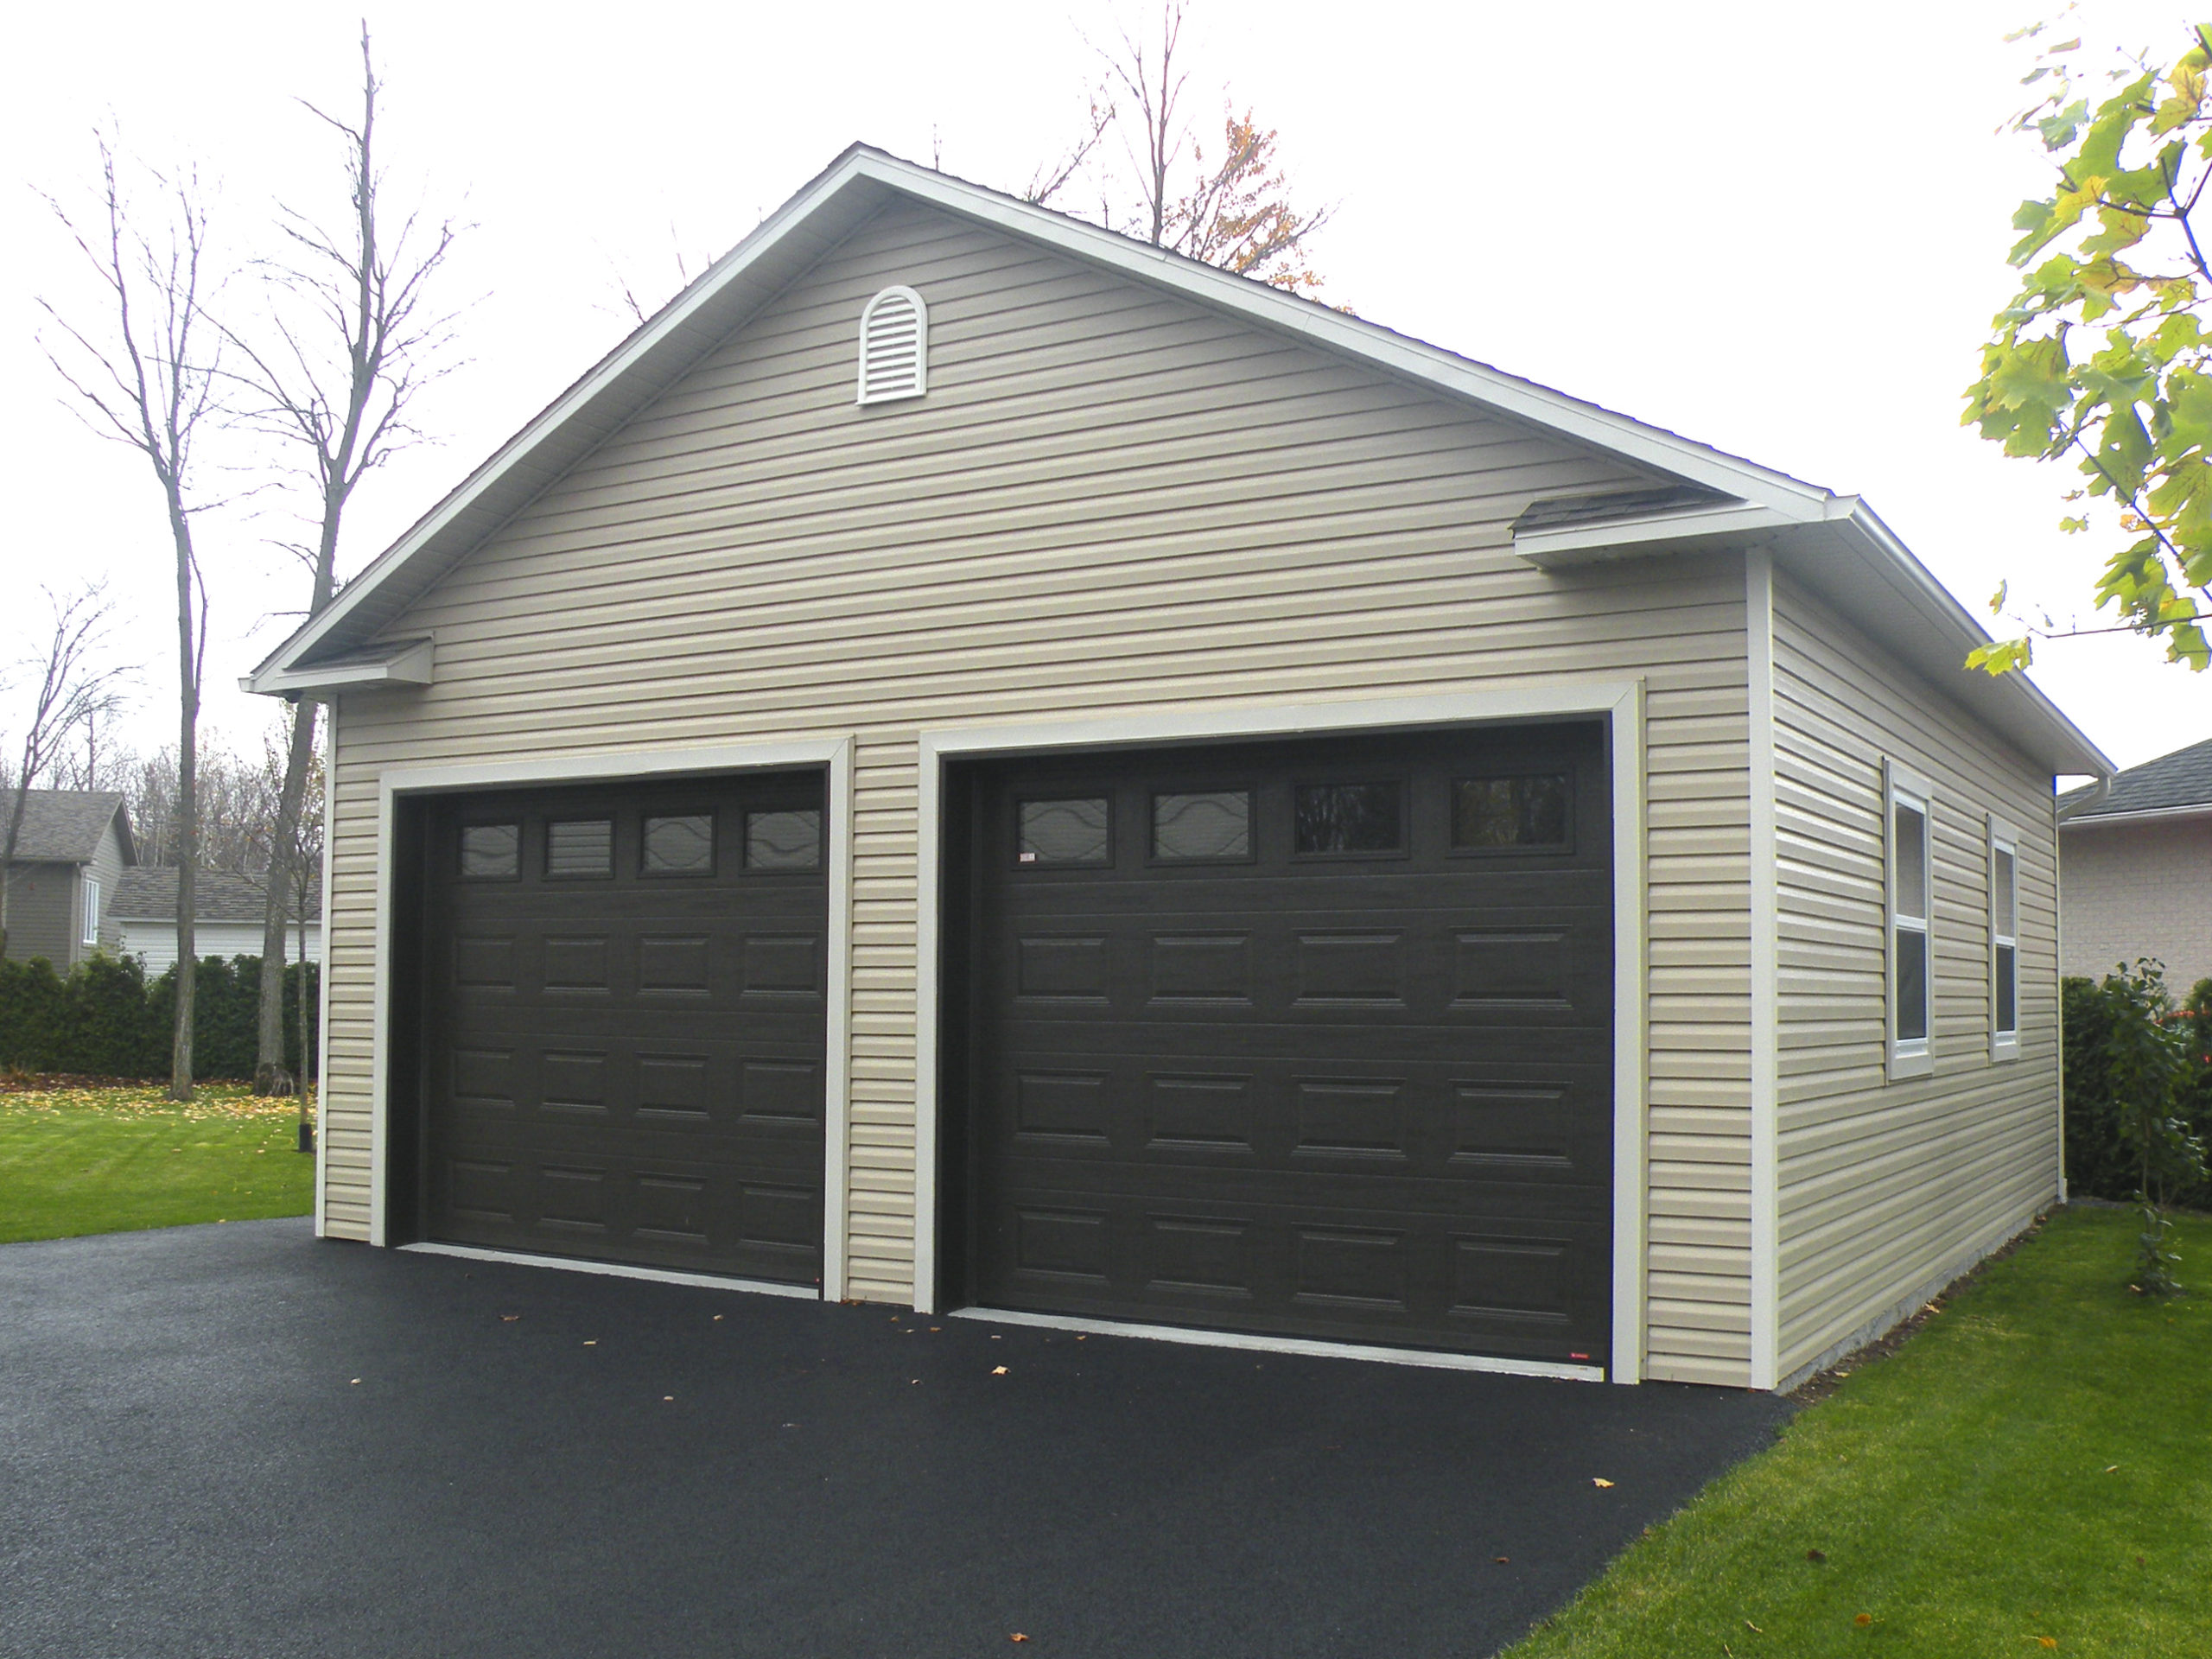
{"points": [[305, 862], [150, 378], [1234, 210], [352, 340], [74, 683]]}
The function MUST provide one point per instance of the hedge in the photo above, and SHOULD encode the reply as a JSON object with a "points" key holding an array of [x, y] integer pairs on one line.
{"points": [[104, 1019], [2097, 1164]]}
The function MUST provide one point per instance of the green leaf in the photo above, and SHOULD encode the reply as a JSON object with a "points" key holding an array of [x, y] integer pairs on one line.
{"points": [[2002, 656]]}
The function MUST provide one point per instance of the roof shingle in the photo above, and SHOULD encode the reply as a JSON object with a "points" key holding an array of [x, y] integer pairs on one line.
{"points": [[64, 825], [2172, 782]]}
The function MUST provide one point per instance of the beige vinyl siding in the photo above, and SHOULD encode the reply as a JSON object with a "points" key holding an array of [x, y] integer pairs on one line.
{"points": [[1109, 500], [1887, 1189]]}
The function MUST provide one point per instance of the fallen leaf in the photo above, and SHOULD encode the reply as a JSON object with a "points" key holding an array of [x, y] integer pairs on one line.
{"points": [[1862, 1619], [2110, 1467], [357, 1382], [1815, 1556], [1599, 1480], [1505, 1561], [668, 1397], [2047, 1641], [1750, 1626], [509, 1319], [591, 1342], [718, 1316], [1017, 1636], [998, 1371]]}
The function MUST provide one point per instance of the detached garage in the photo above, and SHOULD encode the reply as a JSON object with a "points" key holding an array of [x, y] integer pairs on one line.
{"points": [[974, 763]]}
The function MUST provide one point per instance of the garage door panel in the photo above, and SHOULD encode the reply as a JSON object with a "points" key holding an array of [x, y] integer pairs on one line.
{"points": [[1358, 1088], [630, 1066]]}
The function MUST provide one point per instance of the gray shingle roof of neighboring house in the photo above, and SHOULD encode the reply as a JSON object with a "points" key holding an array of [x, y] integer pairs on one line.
{"points": [[149, 892], [64, 825], [2171, 783]]}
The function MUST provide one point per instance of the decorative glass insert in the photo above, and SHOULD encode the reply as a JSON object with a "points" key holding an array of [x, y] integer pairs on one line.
{"points": [[491, 851], [1348, 818], [1488, 813], [1217, 823], [1063, 832], [784, 841], [580, 847], [680, 846]]}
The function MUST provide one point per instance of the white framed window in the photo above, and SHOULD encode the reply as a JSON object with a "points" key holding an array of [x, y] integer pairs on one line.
{"points": [[894, 347], [92, 935], [1909, 802], [2004, 942]]}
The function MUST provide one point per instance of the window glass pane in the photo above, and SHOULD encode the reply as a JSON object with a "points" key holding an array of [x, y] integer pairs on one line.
{"points": [[581, 847], [784, 841], [1063, 832], [680, 846], [1912, 983], [1347, 818], [1217, 825], [491, 849], [1510, 811], [2008, 990], [2007, 894], [1910, 837]]}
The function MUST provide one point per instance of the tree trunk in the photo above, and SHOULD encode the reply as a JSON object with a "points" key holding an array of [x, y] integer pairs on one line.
{"points": [[269, 1076], [187, 803]]}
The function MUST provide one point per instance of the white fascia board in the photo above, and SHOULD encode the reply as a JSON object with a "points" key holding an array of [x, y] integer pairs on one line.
{"points": [[2150, 815], [1270, 307], [414, 665], [1573, 544]]}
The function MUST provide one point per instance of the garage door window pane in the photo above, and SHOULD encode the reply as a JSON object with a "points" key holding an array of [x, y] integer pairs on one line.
{"points": [[1063, 832], [783, 841], [582, 847], [491, 851], [680, 846], [1215, 824], [1493, 813], [1348, 818]]}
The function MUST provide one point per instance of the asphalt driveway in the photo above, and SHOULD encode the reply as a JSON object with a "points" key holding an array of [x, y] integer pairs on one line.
{"points": [[234, 1441]]}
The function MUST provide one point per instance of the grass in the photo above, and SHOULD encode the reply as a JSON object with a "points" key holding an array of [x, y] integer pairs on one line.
{"points": [[82, 1159], [2033, 1470]]}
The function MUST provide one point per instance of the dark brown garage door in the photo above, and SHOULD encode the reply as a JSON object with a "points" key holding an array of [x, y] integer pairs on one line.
{"points": [[624, 1024], [1309, 1040]]}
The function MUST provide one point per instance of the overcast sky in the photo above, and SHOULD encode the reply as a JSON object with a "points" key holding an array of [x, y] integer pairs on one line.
{"points": [[1777, 229]]}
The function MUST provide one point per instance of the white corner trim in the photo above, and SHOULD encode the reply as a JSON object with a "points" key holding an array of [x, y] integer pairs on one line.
{"points": [[1573, 544], [834, 753], [414, 665], [1621, 702], [617, 1270], [322, 982], [1766, 978], [1199, 1337]]}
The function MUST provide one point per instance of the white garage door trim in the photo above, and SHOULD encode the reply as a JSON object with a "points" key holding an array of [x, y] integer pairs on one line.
{"points": [[834, 753], [1620, 702]]}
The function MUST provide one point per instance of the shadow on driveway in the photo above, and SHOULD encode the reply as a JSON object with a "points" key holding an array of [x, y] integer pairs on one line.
{"points": [[189, 1466]]}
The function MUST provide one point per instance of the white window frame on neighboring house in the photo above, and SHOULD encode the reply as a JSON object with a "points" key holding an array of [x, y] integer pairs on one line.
{"points": [[2003, 863], [1905, 922], [92, 928]]}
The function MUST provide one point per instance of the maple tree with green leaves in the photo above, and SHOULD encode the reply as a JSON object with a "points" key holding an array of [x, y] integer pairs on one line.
{"points": [[2104, 356]]}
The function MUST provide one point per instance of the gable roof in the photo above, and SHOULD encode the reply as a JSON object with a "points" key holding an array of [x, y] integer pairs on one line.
{"points": [[1832, 542], [2173, 785], [64, 826], [148, 894]]}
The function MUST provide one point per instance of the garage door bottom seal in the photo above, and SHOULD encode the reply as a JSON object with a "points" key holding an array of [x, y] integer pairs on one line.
{"points": [[619, 1270], [1199, 1336]]}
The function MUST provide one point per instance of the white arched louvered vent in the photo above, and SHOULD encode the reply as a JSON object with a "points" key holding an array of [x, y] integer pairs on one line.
{"points": [[894, 347]]}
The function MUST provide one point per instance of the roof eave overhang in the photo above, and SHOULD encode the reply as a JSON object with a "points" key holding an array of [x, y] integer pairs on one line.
{"points": [[410, 662], [2150, 814], [1841, 550]]}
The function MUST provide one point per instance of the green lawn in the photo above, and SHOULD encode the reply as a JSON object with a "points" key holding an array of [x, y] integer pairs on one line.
{"points": [[2033, 1470], [106, 1160]]}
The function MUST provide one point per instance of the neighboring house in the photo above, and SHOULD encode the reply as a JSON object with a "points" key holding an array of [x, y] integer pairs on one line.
{"points": [[977, 763], [73, 849], [2137, 866], [228, 913]]}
